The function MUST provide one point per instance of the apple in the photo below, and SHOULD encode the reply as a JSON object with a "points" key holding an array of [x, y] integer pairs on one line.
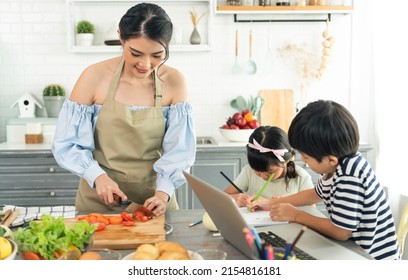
{"points": [[246, 127], [254, 124], [244, 112], [237, 116], [225, 126], [241, 122], [234, 126]]}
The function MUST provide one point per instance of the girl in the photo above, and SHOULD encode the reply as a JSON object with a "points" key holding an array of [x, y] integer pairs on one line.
{"points": [[268, 152]]}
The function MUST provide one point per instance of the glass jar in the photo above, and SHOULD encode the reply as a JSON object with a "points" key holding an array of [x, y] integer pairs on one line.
{"points": [[234, 2], [264, 2], [247, 2], [282, 2]]}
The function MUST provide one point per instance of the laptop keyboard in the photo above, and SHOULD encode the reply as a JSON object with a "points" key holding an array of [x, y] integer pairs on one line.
{"points": [[277, 241]]}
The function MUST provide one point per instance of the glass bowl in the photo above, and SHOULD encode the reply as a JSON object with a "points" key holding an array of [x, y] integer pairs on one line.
{"points": [[93, 254]]}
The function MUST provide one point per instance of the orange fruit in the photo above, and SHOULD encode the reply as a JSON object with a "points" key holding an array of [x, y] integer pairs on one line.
{"points": [[249, 117], [90, 255]]}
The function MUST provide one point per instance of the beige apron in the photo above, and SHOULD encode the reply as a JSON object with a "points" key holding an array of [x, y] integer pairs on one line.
{"points": [[127, 144]]}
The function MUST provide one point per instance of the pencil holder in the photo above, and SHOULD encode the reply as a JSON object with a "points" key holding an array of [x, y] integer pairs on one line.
{"points": [[279, 254]]}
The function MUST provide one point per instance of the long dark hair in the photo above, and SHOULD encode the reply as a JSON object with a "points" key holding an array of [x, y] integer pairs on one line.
{"points": [[271, 137], [148, 20]]}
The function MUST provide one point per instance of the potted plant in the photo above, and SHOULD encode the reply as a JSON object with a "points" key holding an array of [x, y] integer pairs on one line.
{"points": [[85, 33], [54, 97]]}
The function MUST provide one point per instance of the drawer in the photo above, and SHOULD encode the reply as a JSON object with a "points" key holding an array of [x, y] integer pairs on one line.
{"points": [[47, 181], [38, 197]]}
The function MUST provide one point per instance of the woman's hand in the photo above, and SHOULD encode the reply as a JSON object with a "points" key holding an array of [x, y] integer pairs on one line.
{"points": [[106, 188], [283, 212], [157, 203]]}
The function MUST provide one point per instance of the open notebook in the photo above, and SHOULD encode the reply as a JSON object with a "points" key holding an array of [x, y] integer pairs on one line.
{"points": [[258, 218]]}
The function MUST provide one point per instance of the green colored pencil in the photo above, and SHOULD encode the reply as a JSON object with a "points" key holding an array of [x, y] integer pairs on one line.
{"points": [[262, 190]]}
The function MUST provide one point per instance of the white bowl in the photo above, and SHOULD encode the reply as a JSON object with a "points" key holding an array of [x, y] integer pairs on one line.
{"points": [[236, 135]]}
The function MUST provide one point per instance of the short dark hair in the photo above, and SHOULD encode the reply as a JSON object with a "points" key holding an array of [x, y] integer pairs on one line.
{"points": [[148, 20], [324, 128]]}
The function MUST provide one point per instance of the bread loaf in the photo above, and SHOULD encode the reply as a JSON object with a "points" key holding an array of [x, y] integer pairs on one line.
{"points": [[146, 252], [164, 250]]}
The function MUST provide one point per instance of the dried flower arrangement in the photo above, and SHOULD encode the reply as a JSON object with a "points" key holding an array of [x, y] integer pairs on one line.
{"points": [[195, 18], [307, 64]]}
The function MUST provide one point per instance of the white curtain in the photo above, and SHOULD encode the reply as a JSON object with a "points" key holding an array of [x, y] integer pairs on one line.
{"points": [[379, 82]]}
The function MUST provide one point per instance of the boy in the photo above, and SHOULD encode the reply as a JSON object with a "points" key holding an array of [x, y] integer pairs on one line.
{"points": [[327, 138]]}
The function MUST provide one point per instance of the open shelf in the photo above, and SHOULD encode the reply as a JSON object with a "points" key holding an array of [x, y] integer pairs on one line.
{"points": [[284, 9]]}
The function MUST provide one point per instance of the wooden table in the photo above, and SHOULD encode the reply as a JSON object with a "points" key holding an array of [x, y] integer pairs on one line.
{"points": [[198, 236]]}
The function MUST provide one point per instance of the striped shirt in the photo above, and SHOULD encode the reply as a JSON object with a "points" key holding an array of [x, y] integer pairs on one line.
{"points": [[356, 201]]}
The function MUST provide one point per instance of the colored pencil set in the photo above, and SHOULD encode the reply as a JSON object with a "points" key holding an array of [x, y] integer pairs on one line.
{"points": [[266, 251]]}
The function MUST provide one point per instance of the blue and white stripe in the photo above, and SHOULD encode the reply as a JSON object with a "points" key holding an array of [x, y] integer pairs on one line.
{"points": [[356, 201]]}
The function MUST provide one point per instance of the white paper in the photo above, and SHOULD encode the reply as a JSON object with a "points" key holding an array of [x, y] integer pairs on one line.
{"points": [[258, 218]]}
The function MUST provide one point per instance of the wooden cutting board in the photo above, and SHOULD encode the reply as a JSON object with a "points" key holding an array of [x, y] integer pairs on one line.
{"points": [[124, 237], [278, 109]]}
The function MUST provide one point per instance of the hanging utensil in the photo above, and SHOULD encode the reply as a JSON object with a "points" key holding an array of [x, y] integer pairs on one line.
{"points": [[236, 68], [269, 54], [251, 65]]}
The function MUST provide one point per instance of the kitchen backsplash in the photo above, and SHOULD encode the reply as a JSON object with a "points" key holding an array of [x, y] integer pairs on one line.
{"points": [[34, 53]]}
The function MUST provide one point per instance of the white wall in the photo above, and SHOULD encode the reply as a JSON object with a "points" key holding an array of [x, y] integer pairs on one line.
{"points": [[33, 53]]}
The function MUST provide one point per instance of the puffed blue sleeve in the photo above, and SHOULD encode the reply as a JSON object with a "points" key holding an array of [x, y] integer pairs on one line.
{"points": [[179, 148], [74, 140]]}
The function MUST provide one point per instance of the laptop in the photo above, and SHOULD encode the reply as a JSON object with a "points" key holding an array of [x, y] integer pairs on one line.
{"points": [[225, 214]]}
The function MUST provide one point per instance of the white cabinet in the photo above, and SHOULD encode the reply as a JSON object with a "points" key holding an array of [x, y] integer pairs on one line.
{"points": [[106, 14]]}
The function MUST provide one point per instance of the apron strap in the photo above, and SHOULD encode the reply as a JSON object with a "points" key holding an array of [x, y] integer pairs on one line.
{"points": [[115, 81], [157, 90]]}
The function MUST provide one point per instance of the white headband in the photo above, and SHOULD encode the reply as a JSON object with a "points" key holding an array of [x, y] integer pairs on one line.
{"points": [[279, 153]]}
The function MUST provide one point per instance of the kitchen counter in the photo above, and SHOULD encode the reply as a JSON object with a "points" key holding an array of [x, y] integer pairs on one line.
{"points": [[202, 142]]}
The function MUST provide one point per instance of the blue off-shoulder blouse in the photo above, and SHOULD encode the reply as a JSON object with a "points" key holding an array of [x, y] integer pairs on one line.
{"points": [[74, 143]]}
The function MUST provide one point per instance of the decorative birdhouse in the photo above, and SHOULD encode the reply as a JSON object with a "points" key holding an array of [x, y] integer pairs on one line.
{"points": [[26, 104]]}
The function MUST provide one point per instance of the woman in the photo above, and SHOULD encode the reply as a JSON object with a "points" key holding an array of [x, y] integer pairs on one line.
{"points": [[127, 129]]}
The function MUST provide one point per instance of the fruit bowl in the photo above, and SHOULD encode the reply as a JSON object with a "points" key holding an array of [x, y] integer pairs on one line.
{"points": [[236, 135]]}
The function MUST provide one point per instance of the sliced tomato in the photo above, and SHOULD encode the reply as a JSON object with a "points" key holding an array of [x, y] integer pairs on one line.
{"points": [[31, 256], [137, 215], [126, 217], [99, 225], [115, 220], [128, 223], [145, 219]]}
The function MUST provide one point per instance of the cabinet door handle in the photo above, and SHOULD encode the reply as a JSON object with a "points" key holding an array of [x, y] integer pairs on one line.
{"points": [[52, 169], [52, 193]]}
